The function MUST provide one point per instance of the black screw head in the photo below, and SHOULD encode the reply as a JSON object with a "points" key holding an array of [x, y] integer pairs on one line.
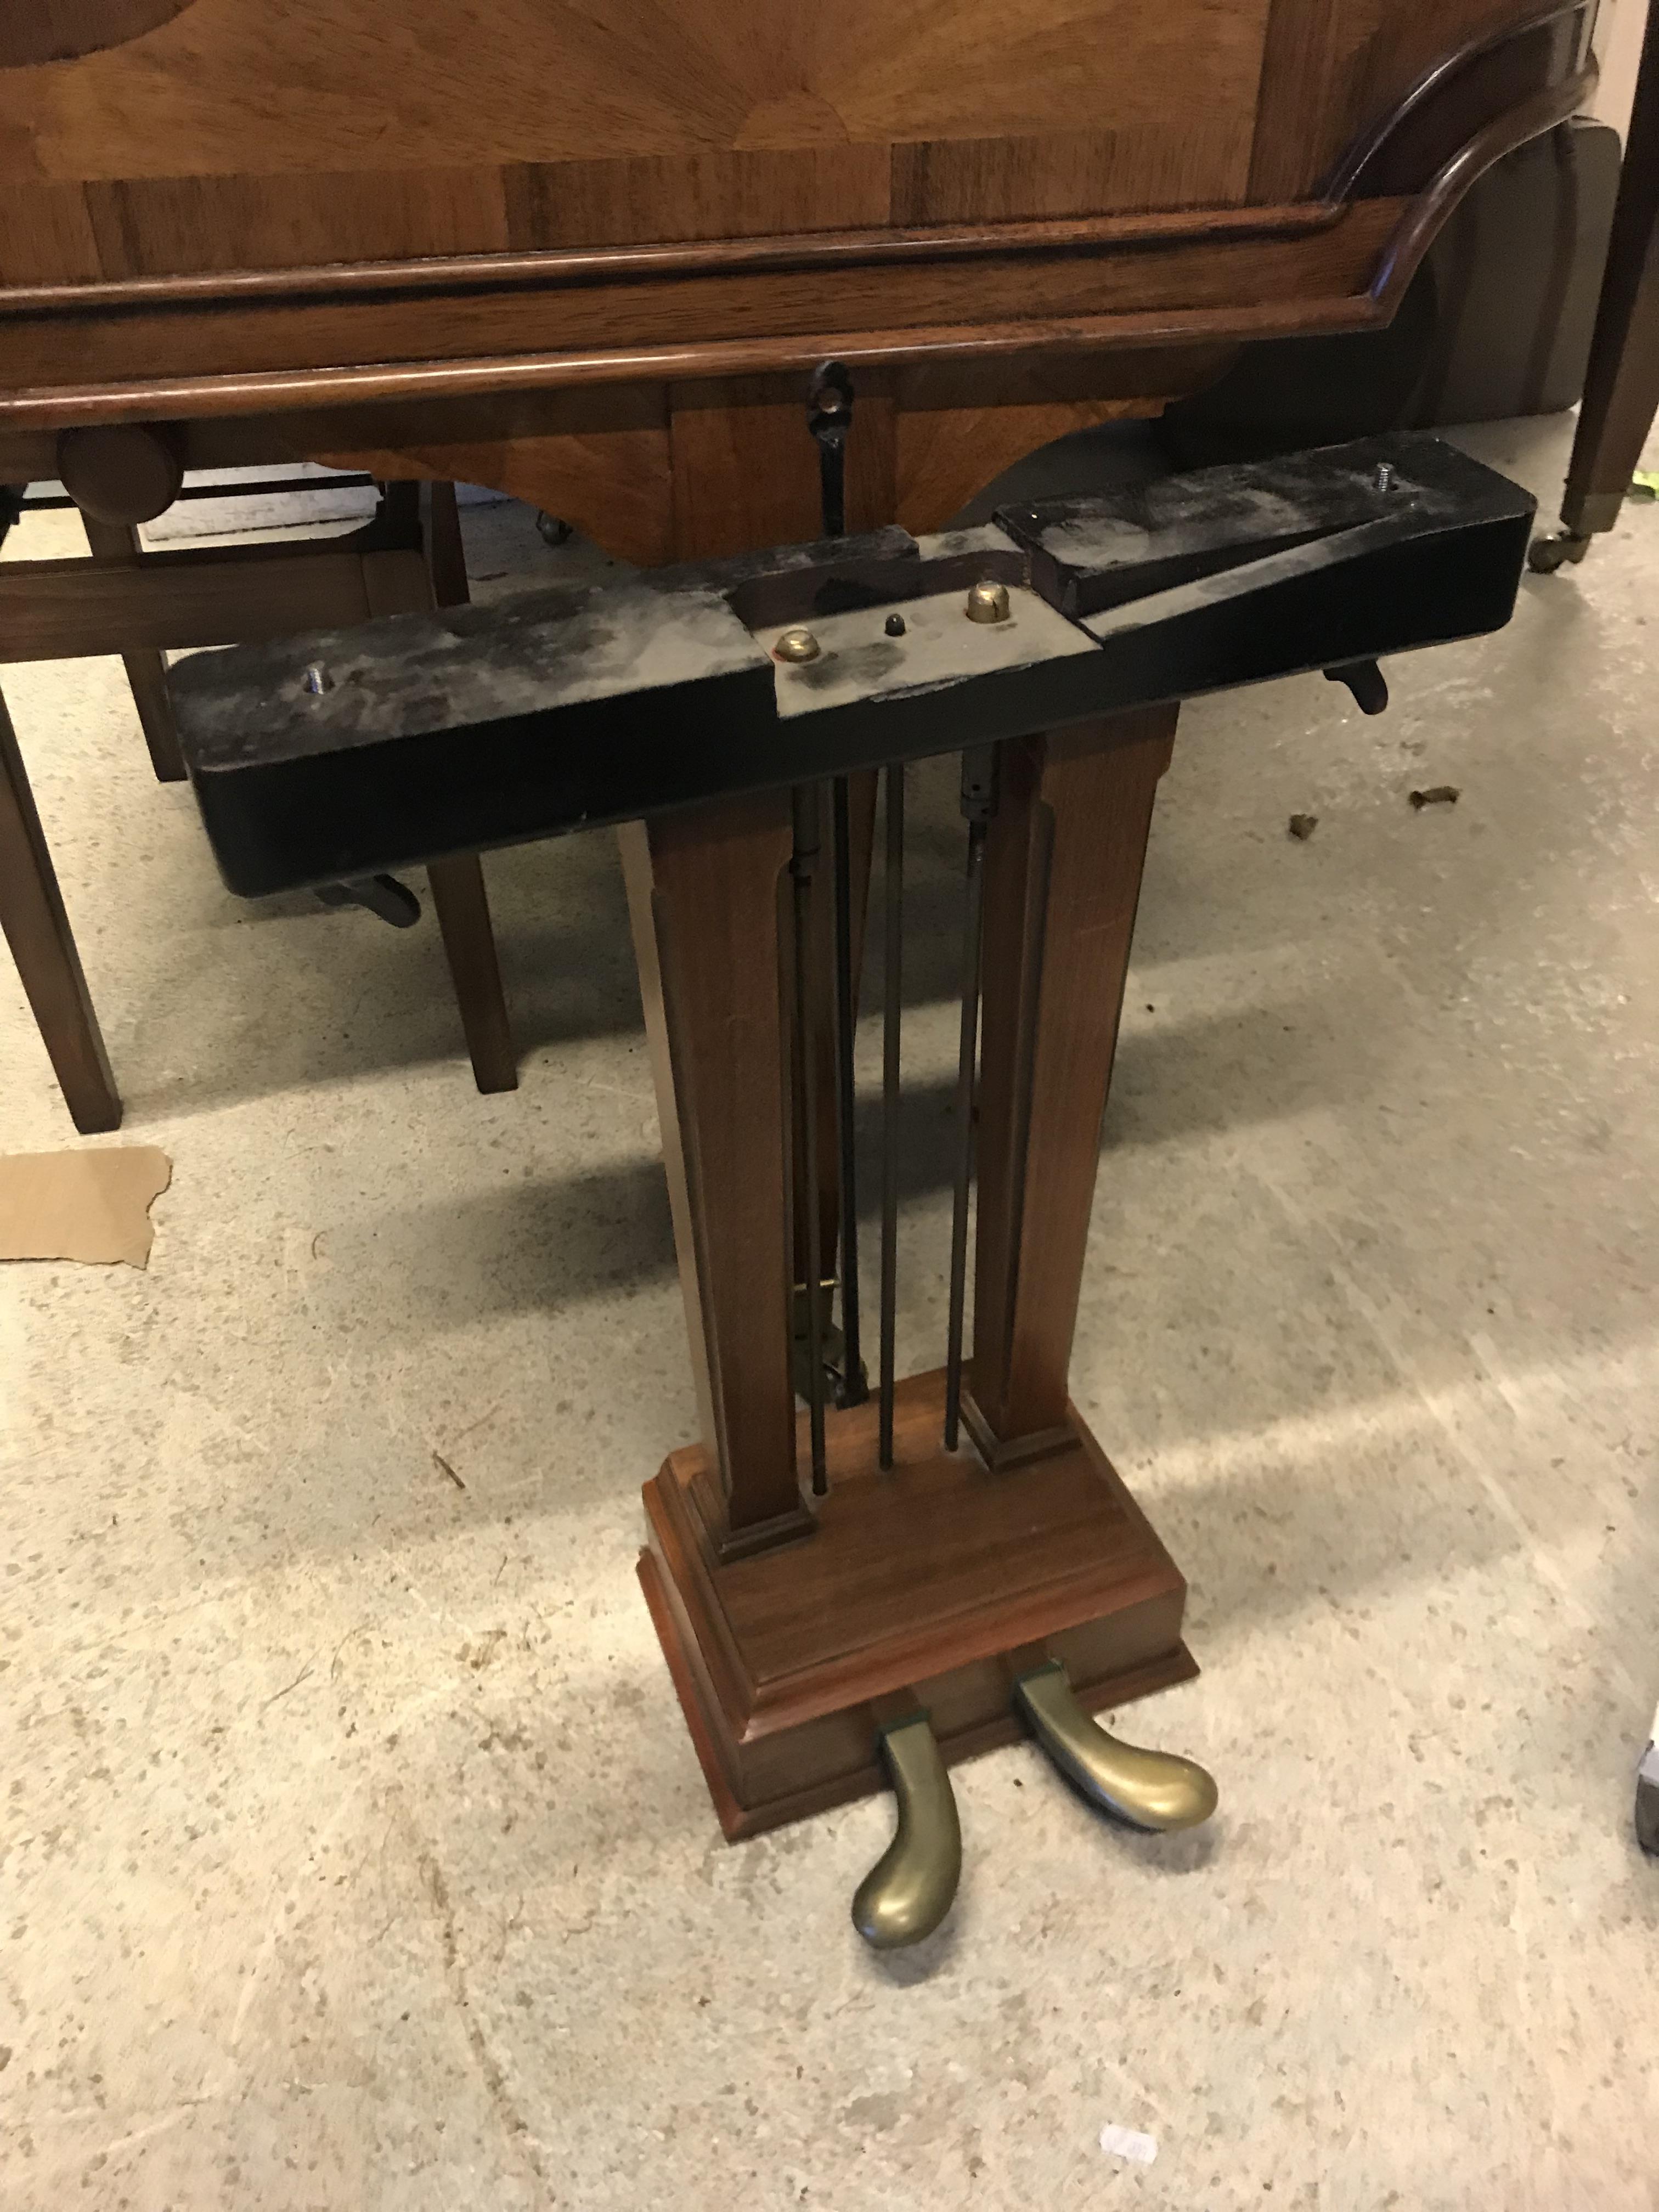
{"points": [[894, 625]]}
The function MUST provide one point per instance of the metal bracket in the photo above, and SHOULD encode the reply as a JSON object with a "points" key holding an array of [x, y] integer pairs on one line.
{"points": [[829, 419], [384, 896], [1367, 683]]}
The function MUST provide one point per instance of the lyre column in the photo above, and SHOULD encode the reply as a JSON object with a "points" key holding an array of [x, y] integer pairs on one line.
{"points": [[1063, 860], [706, 892]]}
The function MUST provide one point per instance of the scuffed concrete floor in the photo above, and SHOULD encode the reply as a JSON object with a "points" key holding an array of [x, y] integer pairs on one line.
{"points": [[353, 1853]]}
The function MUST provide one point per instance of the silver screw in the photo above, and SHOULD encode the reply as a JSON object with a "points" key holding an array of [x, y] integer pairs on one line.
{"points": [[988, 603], [317, 680], [1385, 475], [797, 645]]}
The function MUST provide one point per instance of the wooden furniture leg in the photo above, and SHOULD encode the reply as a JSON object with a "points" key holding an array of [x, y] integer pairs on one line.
{"points": [[942, 1584], [1622, 384], [460, 898], [37, 929], [147, 668], [462, 906]]}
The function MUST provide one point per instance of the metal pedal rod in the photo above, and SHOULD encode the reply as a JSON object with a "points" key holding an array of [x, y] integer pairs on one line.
{"points": [[829, 419], [802, 867], [891, 1015], [854, 1388], [978, 805]]}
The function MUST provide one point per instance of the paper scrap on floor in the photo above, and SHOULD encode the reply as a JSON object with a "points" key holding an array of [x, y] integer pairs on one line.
{"points": [[92, 1205], [1128, 2142]]}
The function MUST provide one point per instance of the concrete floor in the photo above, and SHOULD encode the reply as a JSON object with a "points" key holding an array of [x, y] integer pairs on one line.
{"points": [[352, 1852]]}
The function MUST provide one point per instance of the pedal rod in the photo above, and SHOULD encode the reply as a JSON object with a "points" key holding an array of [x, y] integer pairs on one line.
{"points": [[892, 1017], [802, 868], [854, 1388], [978, 805]]}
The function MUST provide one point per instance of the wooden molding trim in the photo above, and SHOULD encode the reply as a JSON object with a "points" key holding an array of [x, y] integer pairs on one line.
{"points": [[1464, 95], [274, 342], [790, 254], [285, 391]]}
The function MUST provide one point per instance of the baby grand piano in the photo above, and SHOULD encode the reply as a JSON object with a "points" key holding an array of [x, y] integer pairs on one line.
{"points": [[707, 280]]}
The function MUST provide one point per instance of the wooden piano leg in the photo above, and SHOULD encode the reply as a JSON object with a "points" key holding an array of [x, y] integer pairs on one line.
{"points": [[941, 1584], [1621, 381], [38, 931]]}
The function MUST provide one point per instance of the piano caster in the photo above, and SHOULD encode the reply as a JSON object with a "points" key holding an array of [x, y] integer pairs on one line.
{"points": [[913, 1884], [1545, 555], [1152, 1790]]}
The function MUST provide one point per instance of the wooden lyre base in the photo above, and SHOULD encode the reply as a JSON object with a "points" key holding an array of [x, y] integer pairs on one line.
{"points": [[933, 1585], [831, 1625], [799, 1630]]}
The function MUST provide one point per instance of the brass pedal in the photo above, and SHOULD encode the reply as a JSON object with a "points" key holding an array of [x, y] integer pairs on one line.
{"points": [[1154, 1789], [913, 1884]]}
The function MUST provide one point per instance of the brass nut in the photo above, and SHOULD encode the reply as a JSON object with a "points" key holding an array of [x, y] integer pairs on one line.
{"points": [[988, 603], [798, 645]]}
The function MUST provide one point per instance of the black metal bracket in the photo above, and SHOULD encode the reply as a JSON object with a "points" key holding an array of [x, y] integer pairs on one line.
{"points": [[979, 785], [829, 419], [380, 895], [1367, 683]]}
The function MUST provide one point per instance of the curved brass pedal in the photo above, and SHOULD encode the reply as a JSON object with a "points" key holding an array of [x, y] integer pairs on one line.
{"points": [[913, 1884], [1155, 1789]]}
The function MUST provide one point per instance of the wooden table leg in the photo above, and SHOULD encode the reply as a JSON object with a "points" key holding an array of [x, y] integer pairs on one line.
{"points": [[147, 672], [462, 906], [1063, 864], [1621, 384], [38, 931], [146, 669], [460, 898]]}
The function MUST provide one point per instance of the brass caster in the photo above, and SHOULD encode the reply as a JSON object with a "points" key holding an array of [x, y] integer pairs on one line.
{"points": [[1155, 1789], [913, 1885]]}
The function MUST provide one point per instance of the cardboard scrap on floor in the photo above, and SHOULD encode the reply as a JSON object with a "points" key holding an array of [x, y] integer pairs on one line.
{"points": [[92, 1205]]}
